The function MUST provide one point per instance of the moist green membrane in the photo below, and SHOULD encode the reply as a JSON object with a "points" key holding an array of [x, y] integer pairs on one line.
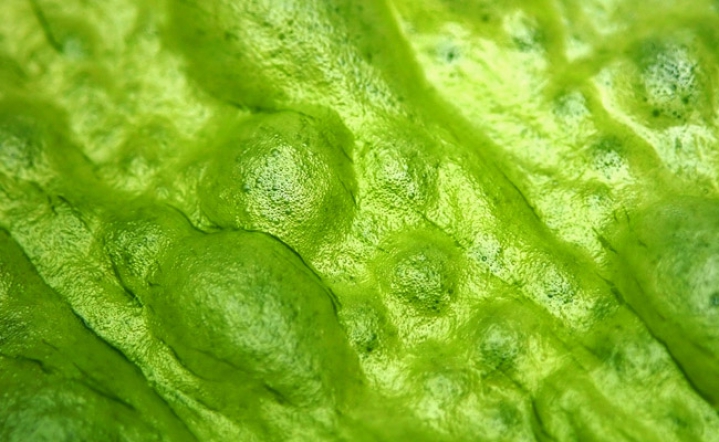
{"points": [[358, 220]]}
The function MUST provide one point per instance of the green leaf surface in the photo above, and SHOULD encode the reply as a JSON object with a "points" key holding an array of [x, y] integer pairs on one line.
{"points": [[345, 220]]}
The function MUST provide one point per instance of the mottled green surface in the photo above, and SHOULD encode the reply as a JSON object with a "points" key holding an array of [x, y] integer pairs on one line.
{"points": [[361, 220]]}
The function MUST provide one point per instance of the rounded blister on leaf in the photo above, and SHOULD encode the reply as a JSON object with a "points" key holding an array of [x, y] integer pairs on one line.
{"points": [[287, 174], [238, 306], [403, 171], [671, 251], [421, 271], [135, 244], [668, 81]]}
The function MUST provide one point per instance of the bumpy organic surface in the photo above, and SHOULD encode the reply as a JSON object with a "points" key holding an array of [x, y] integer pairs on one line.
{"points": [[359, 220]]}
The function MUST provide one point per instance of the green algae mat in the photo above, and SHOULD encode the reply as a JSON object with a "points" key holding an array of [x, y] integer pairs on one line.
{"points": [[360, 220]]}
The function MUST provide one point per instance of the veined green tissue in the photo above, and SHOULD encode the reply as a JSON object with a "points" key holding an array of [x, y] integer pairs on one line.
{"points": [[359, 220]]}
